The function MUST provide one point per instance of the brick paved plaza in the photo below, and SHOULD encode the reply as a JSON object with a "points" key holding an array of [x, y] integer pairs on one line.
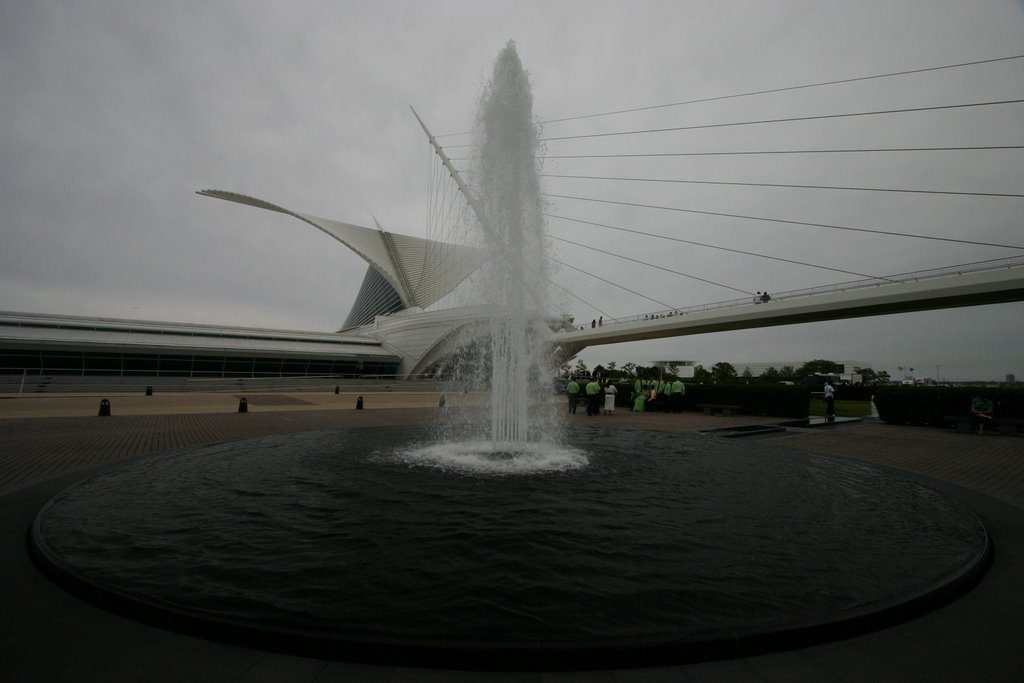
{"points": [[48, 635]]}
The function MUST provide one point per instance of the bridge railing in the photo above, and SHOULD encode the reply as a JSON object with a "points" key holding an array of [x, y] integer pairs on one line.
{"points": [[881, 281]]}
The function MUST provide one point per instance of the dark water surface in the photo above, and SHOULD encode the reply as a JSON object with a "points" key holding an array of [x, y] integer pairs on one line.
{"points": [[627, 535]]}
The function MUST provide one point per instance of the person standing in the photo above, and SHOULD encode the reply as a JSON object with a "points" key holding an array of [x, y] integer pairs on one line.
{"points": [[593, 390], [572, 390], [678, 391], [609, 398], [830, 402]]}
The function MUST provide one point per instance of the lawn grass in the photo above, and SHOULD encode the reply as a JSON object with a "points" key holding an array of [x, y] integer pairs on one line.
{"points": [[843, 408]]}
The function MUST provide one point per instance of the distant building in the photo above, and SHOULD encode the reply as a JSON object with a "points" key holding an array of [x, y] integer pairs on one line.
{"points": [[683, 368], [1011, 378], [843, 368]]}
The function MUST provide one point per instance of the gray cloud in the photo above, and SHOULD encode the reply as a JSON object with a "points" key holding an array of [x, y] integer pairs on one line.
{"points": [[115, 113]]}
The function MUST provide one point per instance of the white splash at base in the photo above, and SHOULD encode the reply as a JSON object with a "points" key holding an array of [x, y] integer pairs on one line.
{"points": [[490, 458]]}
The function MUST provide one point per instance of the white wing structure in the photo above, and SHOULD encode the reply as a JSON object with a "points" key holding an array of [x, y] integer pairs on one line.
{"points": [[404, 272], [405, 275]]}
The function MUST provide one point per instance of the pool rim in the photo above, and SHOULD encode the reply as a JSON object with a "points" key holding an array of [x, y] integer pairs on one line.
{"points": [[524, 655]]}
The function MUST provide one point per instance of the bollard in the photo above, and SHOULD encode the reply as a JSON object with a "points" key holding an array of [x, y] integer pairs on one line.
{"points": [[104, 408], [337, 390], [243, 405], [441, 402], [359, 403], [149, 390]]}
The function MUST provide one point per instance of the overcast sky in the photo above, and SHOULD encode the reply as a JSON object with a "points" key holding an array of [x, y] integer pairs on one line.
{"points": [[113, 113]]}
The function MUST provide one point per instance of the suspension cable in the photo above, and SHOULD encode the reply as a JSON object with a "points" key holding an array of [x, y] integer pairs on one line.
{"points": [[751, 93], [715, 246], [614, 284], [789, 222], [649, 265], [580, 299], [787, 185], [773, 151], [783, 89], [817, 117]]}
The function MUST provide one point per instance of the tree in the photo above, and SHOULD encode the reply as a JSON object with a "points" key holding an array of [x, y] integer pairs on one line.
{"points": [[824, 367], [647, 372], [700, 375], [747, 374], [867, 375], [629, 369], [771, 375], [722, 373], [580, 368]]}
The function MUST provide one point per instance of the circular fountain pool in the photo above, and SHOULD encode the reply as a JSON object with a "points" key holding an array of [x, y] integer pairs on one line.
{"points": [[628, 547]]}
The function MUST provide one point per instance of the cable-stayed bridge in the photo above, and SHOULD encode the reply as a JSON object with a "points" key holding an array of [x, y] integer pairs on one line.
{"points": [[1000, 281], [816, 191]]}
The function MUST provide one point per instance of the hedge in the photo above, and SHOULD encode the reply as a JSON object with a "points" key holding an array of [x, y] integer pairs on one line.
{"points": [[929, 405], [913, 405], [853, 392], [756, 399]]}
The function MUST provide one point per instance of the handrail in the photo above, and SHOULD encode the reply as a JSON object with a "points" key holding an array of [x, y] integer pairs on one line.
{"points": [[881, 281]]}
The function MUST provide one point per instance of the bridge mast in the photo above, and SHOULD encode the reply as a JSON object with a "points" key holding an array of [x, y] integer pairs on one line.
{"points": [[459, 182], [471, 199]]}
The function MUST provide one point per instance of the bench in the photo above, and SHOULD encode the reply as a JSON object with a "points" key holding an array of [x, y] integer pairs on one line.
{"points": [[965, 423], [711, 407]]}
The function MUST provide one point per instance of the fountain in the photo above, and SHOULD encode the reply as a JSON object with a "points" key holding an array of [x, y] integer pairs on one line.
{"points": [[509, 191], [506, 199], [532, 548]]}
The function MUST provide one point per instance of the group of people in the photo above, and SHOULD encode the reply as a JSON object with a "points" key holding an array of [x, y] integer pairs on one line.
{"points": [[655, 394], [592, 393], [648, 394]]}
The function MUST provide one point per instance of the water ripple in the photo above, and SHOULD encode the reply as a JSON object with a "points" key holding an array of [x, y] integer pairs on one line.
{"points": [[614, 535]]}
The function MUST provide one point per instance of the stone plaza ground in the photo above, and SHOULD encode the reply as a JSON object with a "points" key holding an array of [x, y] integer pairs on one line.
{"points": [[50, 442]]}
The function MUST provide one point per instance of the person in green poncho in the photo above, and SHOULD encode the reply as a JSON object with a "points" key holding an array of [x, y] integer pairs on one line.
{"points": [[594, 394], [678, 390], [572, 390], [639, 401]]}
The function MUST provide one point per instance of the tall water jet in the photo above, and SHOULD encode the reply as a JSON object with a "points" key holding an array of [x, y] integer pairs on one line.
{"points": [[509, 202]]}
